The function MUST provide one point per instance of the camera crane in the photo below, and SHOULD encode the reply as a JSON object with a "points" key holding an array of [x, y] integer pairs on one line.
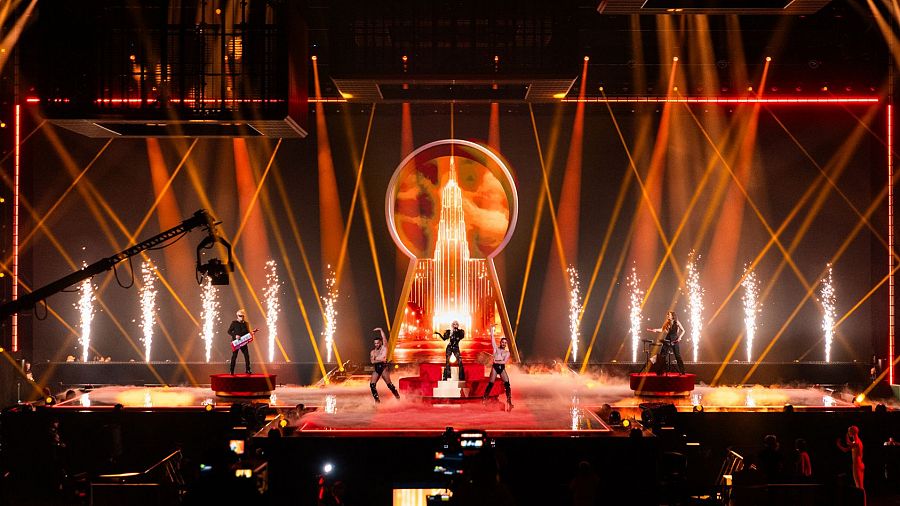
{"points": [[215, 268]]}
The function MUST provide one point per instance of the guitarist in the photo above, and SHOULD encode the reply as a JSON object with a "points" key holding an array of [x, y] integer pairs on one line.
{"points": [[237, 329]]}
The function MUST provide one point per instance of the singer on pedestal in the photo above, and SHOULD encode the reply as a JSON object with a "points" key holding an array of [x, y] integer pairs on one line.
{"points": [[454, 336]]}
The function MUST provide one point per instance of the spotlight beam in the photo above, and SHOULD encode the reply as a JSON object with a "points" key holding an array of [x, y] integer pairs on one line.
{"points": [[645, 196], [751, 203], [545, 179], [538, 215]]}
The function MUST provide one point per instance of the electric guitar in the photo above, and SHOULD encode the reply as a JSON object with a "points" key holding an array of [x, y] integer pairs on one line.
{"points": [[244, 340]]}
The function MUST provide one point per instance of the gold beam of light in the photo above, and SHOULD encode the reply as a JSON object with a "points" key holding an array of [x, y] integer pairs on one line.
{"points": [[538, 215], [752, 203]]}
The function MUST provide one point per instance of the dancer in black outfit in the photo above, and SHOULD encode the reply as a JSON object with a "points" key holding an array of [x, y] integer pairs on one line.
{"points": [[454, 335], [239, 328], [673, 331], [378, 356], [498, 368]]}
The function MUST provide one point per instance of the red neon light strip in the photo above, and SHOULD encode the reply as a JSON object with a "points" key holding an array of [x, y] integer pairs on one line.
{"points": [[183, 101], [14, 324], [726, 100], [890, 199]]}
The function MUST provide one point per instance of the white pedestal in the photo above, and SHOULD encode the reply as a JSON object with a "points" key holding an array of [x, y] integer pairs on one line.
{"points": [[451, 388]]}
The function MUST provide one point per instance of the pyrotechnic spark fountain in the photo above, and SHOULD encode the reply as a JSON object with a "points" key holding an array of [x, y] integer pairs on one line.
{"points": [[209, 315], [574, 308], [635, 314], [272, 306], [751, 301], [695, 302], [148, 305], [86, 308], [828, 303], [329, 300]]}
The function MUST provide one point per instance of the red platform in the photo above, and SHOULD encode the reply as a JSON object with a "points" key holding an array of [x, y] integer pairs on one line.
{"points": [[242, 385], [424, 384], [662, 385]]}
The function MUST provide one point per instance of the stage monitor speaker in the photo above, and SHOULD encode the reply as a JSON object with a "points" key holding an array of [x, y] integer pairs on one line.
{"points": [[657, 414]]}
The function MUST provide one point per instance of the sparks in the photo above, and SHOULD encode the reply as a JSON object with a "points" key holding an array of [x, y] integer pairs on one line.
{"points": [[635, 314], [751, 308], [695, 303], [148, 305], [272, 306], [86, 308], [828, 306], [330, 300], [574, 309], [209, 316]]}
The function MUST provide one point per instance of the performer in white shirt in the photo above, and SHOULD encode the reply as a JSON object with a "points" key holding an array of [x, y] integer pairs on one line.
{"points": [[378, 356], [498, 368]]}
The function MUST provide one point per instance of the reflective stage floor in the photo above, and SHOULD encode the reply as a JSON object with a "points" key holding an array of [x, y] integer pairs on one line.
{"points": [[545, 402]]}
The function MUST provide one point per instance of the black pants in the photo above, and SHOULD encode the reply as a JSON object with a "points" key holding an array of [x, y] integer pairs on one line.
{"points": [[246, 352], [664, 355], [454, 352]]}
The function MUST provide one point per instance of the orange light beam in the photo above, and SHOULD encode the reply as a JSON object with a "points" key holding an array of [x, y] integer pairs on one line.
{"points": [[832, 183], [646, 197], [539, 208], [356, 191], [751, 202], [613, 281], [546, 185]]}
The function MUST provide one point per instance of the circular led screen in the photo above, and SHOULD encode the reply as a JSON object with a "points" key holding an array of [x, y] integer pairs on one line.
{"points": [[489, 201]]}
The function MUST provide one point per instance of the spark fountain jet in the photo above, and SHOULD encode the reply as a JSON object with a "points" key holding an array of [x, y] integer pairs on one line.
{"points": [[209, 315], [751, 308], [574, 308], [148, 305], [272, 306], [330, 301], [828, 306], [695, 302], [637, 296], [86, 308]]}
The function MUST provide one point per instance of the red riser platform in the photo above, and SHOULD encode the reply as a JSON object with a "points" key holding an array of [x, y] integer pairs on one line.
{"points": [[242, 385]]}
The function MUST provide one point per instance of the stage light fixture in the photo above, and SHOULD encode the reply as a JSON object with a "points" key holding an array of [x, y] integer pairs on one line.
{"points": [[327, 468], [283, 423], [859, 398], [2, 349], [496, 59], [698, 408], [587, 58], [788, 408], [768, 58], [404, 58], [208, 407], [314, 58], [635, 432], [615, 418], [626, 423], [2, 124], [218, 12]]}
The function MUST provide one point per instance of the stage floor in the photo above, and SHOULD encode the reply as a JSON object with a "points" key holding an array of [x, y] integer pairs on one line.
{"points": [[545, 402]]}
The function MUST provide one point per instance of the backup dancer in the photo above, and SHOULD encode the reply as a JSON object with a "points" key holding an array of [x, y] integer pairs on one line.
{"points": [[498, 368], [378, 356]]}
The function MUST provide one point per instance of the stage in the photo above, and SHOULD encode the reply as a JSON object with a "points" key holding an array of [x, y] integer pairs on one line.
{"points": [[66, 374], [553, 395]]}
